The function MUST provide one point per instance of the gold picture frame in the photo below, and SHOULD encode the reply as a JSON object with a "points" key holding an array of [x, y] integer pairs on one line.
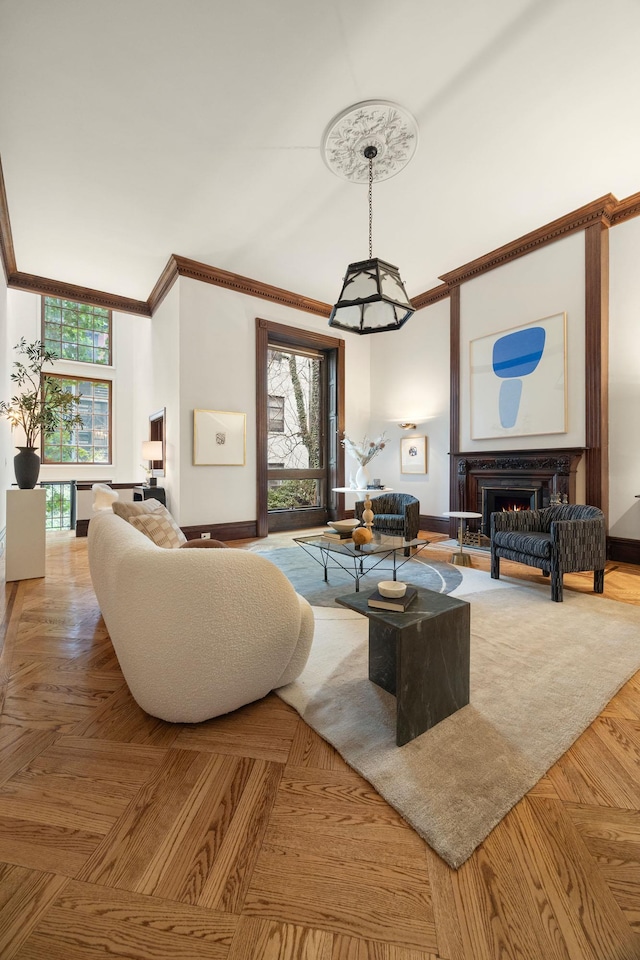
{"points": [[219, 438], [413, 455]]}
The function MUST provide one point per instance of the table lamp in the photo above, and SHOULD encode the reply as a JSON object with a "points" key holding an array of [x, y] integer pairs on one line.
{"points": [[152, 450]]}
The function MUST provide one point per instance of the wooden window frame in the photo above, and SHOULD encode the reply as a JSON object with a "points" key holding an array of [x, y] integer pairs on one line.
{"points": [[83, 463], [92, 308], [269, 333]]}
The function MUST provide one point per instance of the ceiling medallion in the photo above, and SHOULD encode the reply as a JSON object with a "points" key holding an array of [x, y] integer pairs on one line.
{"points": [[379, 123]]}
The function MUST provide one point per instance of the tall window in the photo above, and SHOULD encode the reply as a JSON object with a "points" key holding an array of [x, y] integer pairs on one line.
{"points": [[299, 467], [76, 331], [90, 443], [295, 414]]}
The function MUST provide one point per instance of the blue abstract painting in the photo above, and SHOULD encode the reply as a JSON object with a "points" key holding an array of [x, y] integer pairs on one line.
{"points": [[518, 380], [514, 356]]}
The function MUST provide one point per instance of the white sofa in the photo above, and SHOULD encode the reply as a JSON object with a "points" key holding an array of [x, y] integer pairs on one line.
{"points": [[197, 633]]}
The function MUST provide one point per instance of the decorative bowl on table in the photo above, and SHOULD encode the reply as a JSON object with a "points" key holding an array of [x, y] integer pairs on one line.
{"points": [[344, 526], [392, 588]]}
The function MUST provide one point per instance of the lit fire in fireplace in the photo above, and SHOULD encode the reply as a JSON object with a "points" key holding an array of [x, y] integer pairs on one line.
{"points": [[514, 506]]}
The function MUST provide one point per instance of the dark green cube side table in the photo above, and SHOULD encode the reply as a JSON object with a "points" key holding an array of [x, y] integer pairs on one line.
{"points": [[421, 657]]}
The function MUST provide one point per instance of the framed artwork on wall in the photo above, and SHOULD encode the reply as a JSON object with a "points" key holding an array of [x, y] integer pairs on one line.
{"points": [[413, 455], [219, 438], [518, 380]]}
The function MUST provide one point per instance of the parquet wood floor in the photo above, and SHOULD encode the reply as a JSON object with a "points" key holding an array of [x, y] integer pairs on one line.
{"points": [[248, 836]]}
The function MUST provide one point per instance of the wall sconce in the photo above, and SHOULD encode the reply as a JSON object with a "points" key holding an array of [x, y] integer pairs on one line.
{"points": [[407, 426]]}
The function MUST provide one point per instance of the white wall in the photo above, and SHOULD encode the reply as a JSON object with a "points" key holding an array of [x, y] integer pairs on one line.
{"points": [[6, 451], [543, 283], [624, 380], [131, 378], [410, 383], [165, 388], [199, 351], [217, 372]]}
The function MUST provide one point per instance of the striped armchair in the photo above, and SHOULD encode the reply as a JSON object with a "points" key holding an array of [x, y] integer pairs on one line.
{"points": [[394, 514], [559, 539]]}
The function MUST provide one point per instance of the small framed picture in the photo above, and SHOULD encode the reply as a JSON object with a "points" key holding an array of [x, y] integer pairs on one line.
{"points": [[413, 455], [219, 438]]}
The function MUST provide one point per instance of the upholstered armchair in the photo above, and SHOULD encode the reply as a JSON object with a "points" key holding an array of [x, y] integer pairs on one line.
{"points": [[394, 514], [561, 539]]}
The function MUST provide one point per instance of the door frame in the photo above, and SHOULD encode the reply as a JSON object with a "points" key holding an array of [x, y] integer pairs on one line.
{"points": [[333, 347]]}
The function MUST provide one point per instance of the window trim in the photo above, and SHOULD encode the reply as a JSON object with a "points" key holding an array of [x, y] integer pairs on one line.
{"points": [[92, 363], [268, 334], [85, 463]]}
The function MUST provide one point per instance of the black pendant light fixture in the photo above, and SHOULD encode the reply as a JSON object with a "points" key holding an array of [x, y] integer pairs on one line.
{"points": [[373, 298]]}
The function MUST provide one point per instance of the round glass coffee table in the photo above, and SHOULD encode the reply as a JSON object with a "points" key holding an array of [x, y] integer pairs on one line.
{"points": [[461, 559]]}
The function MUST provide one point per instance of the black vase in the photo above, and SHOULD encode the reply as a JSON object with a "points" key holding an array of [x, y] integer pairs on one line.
{"points": [[26, 466]]}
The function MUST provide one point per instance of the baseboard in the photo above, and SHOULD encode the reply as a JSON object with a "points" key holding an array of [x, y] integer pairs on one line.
{"points": [[246, 530], [434, 524], [626, 551], [241, 530]]}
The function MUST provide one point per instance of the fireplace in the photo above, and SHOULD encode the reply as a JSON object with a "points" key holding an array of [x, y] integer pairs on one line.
{"points": [[495, 499], [521, 479]]}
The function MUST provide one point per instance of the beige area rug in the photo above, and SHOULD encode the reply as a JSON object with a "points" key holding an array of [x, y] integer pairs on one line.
{"points": [[540, 673]]}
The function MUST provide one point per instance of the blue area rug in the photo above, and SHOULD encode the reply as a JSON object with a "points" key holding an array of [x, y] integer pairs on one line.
{"points": [[306, 575]]}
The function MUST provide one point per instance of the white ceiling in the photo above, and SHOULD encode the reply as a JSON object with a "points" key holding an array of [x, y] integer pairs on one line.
{"points": [[133, 129]]}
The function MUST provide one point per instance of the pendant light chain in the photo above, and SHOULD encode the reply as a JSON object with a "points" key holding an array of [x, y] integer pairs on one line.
{"points": [[373, 298], [370, 207]]}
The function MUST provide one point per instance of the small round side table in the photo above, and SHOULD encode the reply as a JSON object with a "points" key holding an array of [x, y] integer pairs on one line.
{"points": [[461, 559]]}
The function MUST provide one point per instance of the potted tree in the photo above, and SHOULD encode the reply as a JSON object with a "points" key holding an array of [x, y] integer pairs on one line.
{"points": [[42, 406]]}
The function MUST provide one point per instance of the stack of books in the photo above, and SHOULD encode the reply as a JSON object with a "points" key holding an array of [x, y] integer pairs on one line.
{"points": [[395, 604], [336, 536]]}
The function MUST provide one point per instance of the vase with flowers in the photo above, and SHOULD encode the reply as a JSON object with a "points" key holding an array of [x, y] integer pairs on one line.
{"points": [[363, 453]]}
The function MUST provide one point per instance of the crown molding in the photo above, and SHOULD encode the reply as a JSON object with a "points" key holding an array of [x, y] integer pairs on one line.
{"points": [[253, 288], [626, 209], [164, 283], [600, 210], [7, 253], [607, 210], [71, 291], [441, 292]]}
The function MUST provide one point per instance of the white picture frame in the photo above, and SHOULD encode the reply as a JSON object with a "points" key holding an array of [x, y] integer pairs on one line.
{"points": [[413, 455], [219, 438], [519, 391]]}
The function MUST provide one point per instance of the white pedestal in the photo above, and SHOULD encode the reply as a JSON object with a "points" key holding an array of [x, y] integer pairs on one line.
{"points": [[26, 534]]}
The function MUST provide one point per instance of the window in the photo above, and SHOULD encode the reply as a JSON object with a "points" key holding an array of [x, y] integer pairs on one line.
{"points": [[76, 331], [61, 502], [90, 443], [275, 414]]}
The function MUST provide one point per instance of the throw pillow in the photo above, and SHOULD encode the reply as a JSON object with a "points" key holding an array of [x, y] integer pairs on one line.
{"points": [[128, 509], [203, 543], [160, 528], [103, 496]]}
